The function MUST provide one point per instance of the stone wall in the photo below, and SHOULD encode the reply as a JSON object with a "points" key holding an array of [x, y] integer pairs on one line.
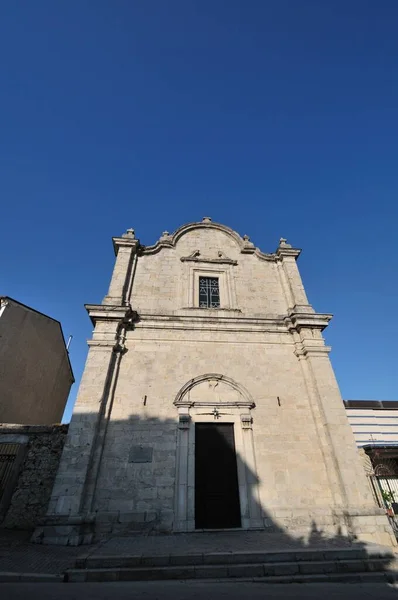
{"points": [[35, 468]]}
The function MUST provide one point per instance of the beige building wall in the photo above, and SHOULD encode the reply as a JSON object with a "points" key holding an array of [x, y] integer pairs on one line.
{"points": [[35, 373], [158, 364]]}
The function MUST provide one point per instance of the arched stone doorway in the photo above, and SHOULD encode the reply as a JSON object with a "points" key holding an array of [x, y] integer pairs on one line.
{"points": [[215, 406]]}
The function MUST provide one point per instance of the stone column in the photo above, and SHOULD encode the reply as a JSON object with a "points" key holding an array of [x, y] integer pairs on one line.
{"points": [[355, 492], [290, 277], [67, 521], [181, 492], [253, 497], [121, 281], [63, 519], [354, 507]]}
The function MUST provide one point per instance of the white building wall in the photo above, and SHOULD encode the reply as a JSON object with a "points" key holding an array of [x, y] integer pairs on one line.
{"points": [[374, 427]]}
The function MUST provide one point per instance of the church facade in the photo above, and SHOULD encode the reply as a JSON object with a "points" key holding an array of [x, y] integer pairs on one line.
{"points": [[208, 401]]}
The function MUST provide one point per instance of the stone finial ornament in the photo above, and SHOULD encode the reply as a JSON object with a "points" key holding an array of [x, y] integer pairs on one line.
{"points": [[165, 236], [130, 233], [283, 243], [206, 220], [247, 242]]}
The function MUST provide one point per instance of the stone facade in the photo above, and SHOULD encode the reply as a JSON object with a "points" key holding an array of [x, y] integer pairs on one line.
{"points": [[27, 490], [159, 364]]}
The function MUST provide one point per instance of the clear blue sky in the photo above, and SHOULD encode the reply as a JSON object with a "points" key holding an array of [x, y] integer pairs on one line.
{"points": [[275, 117]]}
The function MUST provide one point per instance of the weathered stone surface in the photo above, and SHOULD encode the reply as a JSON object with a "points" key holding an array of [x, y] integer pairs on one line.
{"points": [[36, 472], [159, 364]]}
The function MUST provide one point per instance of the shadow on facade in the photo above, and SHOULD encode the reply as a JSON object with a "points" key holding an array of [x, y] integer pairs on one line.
{"points": [[133, 473], [140, 483]]}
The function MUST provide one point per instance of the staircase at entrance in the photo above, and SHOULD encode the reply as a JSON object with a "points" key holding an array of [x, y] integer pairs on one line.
{"points": [[244, 555]]}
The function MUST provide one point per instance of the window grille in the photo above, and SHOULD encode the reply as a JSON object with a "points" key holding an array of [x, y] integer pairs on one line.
{"points": [[209, 292]]}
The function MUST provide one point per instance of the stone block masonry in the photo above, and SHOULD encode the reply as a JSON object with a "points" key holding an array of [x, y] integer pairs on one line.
{"points": [[166, 361], [27, 491]]}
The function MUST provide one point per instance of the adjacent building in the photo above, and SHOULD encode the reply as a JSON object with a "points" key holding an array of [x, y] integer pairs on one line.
{"points": [[375, 427], [374, 423], [208, 401], [35, 371]]}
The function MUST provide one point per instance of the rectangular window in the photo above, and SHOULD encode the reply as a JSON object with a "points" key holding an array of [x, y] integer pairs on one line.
{"points": [[209, 292]]}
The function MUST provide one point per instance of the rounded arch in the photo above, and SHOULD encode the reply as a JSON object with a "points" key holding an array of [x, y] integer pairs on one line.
{"points": [[218, 377]]}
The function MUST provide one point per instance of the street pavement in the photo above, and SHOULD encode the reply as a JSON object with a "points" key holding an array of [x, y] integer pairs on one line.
{"points": [[18, 554], [193, 590]]}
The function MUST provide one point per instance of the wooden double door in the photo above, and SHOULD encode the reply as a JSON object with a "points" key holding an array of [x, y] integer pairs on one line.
{"points": [[217, 503]]}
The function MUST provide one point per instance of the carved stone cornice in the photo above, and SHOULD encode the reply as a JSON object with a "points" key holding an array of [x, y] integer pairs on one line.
{"points": [[113, 345], [299, 321], [197, 258], [128, 239], [283, 252], [101, 343], [104, 312], [286, 250], [202, 404], [205, 322], [304, 349]]}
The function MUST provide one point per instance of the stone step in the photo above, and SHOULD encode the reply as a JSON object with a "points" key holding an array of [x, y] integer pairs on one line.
{"points": [[273, 572], [230, 558]]}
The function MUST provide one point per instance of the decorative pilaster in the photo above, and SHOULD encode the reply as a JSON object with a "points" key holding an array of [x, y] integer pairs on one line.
{"points": [[254, 515], [68, 516], [181, 493], [354, 508], [121, 283], [290, 277], [346, 477]]}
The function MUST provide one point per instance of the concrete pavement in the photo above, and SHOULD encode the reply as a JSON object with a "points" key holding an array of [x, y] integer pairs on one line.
{"points": [[18, 554], [192, 590]]}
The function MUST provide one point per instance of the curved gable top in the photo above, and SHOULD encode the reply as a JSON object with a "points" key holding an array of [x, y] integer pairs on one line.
{"points": [[168, 240], [207, 223]]}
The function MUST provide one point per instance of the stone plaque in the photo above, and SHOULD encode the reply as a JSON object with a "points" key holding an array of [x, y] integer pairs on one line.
{"points": [[140, 454]]}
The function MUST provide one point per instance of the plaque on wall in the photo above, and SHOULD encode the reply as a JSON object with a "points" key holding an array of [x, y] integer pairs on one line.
{"points": [[140, 454]]}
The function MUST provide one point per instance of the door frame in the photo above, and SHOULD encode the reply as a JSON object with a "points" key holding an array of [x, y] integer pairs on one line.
{"points": [[208, 463], [238, 413]]}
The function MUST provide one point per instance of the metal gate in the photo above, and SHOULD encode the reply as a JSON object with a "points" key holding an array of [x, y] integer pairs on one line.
{"points": [[8, 454], [388, 499], [389, 489]]}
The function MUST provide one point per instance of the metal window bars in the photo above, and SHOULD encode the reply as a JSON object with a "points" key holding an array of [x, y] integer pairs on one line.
{"points": [[209, 292]]}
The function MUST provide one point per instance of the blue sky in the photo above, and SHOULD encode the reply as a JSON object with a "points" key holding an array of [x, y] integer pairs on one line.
{"points": [[277, 118]]}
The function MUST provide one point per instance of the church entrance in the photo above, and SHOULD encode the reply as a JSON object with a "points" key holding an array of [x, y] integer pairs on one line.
{"points": [[217, 503]]}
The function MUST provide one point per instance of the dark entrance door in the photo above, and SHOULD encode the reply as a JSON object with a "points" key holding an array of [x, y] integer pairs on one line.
{"points": [[216, 477]]}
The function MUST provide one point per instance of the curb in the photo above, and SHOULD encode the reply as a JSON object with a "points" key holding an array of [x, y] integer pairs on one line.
{"points": [[15, 577]]}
